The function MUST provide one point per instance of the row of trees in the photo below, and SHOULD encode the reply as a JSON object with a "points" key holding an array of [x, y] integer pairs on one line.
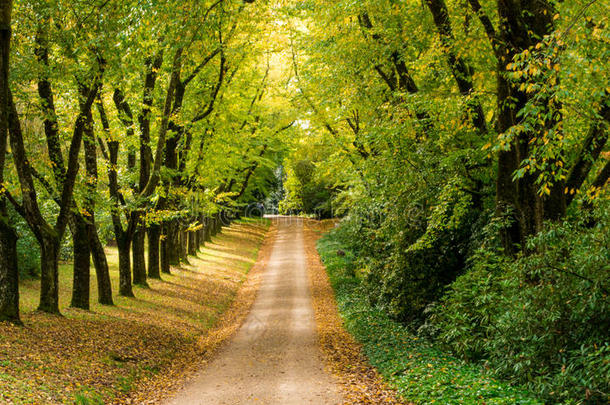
{"points": [[146, 121], [467, 145]]}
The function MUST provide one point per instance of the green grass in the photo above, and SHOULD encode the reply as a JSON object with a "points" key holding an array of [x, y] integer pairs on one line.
{"points": [[419, 371]]}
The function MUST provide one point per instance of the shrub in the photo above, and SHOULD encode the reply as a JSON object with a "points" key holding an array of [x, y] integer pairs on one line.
{"points": [[421, 264], [420, 372], [542, 320]]}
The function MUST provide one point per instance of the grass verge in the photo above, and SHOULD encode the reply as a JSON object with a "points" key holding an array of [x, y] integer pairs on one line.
{"points": [[361, 384], [420, 372], [107, 354]]}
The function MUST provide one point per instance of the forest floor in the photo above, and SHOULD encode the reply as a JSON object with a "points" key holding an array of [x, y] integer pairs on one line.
{"points": [[141, 348]]}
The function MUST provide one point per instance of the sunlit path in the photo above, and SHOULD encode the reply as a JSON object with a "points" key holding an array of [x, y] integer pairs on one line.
{"points": [[273, 359]]}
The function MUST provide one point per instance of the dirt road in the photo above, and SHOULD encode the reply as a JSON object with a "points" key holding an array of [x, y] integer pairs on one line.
{"points": [[273, 359]]}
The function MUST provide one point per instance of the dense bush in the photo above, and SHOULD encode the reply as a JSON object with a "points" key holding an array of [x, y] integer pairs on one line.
{"points": [[544, 319], [407, 261], [420, 372]]}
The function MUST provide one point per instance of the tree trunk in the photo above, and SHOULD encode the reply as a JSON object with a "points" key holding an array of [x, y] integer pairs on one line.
{"points": [[520, 198], [154, 233], [104, 286], [49, 274], [192, 243], [219, 223], [9, 273], [197, 239], [207, 229], [214, 225], [172, 241], [201, 239], [82, 263], [164, 254], [125, 288], [138, 253], [183, 245]]}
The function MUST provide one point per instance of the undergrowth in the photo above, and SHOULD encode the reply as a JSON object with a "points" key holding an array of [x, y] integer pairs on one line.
{"points": [[420, 372]]}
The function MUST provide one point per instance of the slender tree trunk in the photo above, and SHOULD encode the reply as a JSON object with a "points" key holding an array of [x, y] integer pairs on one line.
{"points": [[49, 274], [82, 263], [125, 288], [104, 286], [201, 239], [154, 233], [138, 253], [164, 247]]}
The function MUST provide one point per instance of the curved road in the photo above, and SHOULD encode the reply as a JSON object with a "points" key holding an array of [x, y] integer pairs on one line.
{"points": [[273, 358]]}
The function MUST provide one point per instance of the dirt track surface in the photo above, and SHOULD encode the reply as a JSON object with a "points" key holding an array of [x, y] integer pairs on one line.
{"points": [[273, 358]]}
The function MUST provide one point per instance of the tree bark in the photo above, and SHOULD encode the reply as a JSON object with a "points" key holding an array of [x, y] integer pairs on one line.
{"points": [[201, 232], [49, 274], [164, 253], [138, 253], [192, 243], [125, 287], [9, 273], [82, 263], [154, 233], [208, 229], [104, 286], [183, 244], [520, 28], [172, 241]]}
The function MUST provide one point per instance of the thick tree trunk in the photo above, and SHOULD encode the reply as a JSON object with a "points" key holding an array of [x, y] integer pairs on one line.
{"points": [[164, 247], [520, 28], [207, 229], [214, 225], [49, 274], [173, 243], [82, 263], [154, 233], [192, 243], [125, 288], [197, 239], [183, 245], [9, 273], [104, 286], [138, 253], [219, 224]]}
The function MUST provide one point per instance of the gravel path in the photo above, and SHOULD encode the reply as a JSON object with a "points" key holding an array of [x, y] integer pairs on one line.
{"points": [[273, 358]]}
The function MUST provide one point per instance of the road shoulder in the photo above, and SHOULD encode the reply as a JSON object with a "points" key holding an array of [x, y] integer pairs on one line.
{"points": [[360, 382]]}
